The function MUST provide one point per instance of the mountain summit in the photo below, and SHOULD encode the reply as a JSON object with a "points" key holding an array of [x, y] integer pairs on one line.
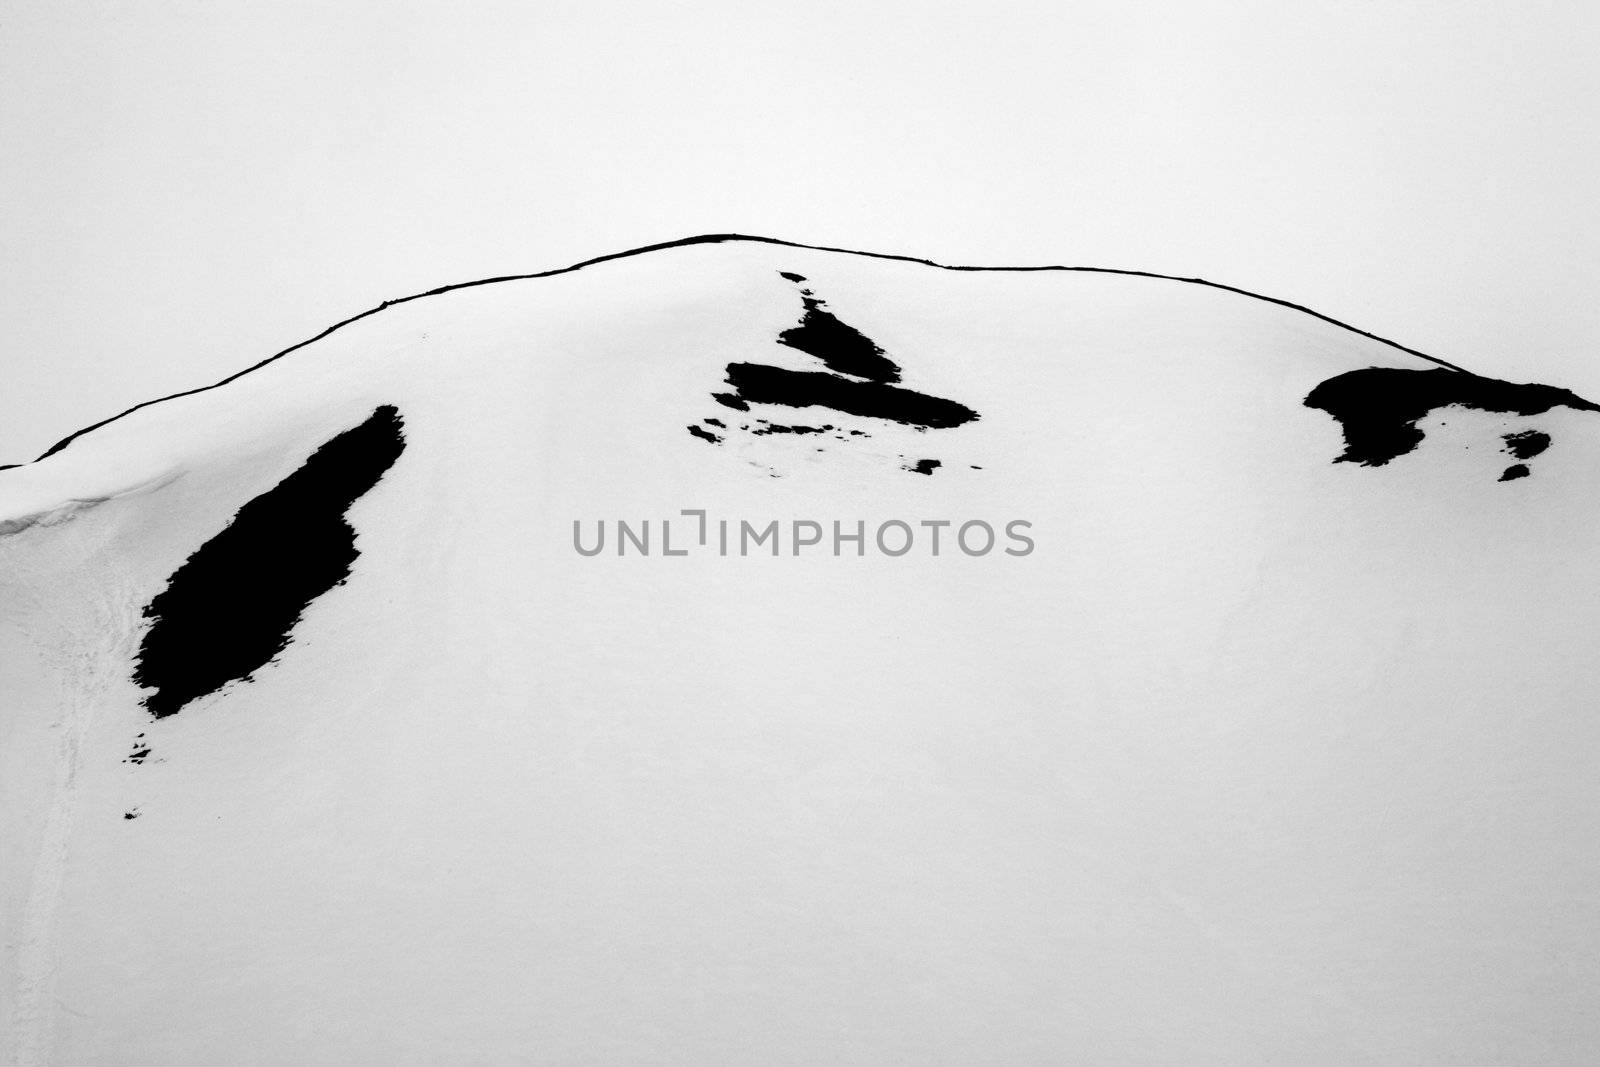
{"points": [[742, 652]]}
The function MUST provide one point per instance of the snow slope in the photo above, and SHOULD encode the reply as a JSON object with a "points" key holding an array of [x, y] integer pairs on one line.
{"points": [[1255, 757]]}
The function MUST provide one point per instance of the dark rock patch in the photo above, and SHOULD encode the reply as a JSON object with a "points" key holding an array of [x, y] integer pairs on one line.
{"points": [[1527, 444], [1515, 471], [772, 427], [840, 347], [1378, 408], [860, 380], [924, 466], [705, 435], [232, 606], [760, 384], [140, 754]]}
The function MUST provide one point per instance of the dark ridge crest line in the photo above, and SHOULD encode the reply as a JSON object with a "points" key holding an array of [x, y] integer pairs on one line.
{"points": [[719, 238]]}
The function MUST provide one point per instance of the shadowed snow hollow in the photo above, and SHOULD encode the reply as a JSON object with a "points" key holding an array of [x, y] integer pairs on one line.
{"points": [[747, 653]]}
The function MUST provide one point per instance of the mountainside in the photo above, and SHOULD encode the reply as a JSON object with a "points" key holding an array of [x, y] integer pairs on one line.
{"points": [[740, 652]]}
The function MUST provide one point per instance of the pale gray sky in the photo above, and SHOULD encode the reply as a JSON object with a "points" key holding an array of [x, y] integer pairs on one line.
{"points": [[187, 187]]}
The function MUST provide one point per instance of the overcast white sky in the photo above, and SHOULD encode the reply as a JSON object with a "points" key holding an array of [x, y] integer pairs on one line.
{"points": [[186, 186]]}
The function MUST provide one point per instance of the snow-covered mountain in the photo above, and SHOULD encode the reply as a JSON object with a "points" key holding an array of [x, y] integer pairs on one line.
{"points": [[737, 652]]}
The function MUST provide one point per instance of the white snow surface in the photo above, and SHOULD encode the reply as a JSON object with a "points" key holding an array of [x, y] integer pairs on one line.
{"points": [[1257, 758]]}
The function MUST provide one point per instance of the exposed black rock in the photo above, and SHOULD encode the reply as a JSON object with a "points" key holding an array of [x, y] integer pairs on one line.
{"points": [[1378, 408], [1527, 444], [140, 753], [705, 435], [231, 607], [924, 466], [771, 428], [859, 380], [1515, 471], [840, 347], [760, 384]]}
